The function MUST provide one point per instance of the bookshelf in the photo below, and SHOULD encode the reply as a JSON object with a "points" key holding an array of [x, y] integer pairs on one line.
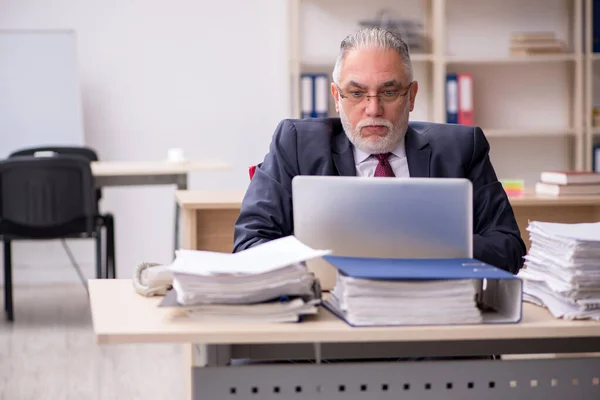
{"points": [[591, 87], [536, 111]]}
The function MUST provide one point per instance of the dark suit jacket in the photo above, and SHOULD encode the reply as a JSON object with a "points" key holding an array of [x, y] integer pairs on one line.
{"points": [[320, 147]]}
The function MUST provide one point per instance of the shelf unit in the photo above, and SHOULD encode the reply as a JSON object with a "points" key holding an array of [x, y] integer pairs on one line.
{"points": [[591, 59], [535, 110]]}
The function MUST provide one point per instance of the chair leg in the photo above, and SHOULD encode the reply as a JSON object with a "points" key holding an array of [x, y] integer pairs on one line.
{"points": [[8, 300], [99, 273], [110, 247]]}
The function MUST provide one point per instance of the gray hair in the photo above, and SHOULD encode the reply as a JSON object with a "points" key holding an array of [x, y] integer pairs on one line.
{"points": [[373, 38]]}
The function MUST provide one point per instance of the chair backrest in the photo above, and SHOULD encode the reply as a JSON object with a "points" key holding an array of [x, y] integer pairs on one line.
{"points": [[82, 151], [46, 192], [85, 152], [252, 169]]}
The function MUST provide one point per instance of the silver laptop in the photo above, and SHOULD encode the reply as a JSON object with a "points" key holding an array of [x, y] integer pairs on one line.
{"points": [[382, 217]]}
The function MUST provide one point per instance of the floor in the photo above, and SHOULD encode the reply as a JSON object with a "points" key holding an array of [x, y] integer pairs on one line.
{"points": [[49, 352]]}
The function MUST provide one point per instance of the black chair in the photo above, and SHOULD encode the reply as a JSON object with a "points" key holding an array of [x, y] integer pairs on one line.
{"points": [[90, 155], [49, 198], [85, 152]]}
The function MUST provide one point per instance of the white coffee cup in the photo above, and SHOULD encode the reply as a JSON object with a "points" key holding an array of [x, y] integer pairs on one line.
{"points": [[175, 155]]}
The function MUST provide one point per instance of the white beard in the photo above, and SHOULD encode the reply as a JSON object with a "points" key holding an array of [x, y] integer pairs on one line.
{"points": [[380, 145]]}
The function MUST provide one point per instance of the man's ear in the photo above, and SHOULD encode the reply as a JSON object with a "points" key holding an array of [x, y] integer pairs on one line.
{"points": [[414, 88], [336, 97]]}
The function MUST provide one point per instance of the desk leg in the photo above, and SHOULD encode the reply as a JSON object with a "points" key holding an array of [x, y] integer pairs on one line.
{"points": [[203, 356], [188, 369], [181, 185]]}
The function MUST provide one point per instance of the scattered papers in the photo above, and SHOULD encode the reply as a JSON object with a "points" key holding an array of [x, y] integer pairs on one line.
{"points": [[268, 282], [266, 257], [562, 269]]}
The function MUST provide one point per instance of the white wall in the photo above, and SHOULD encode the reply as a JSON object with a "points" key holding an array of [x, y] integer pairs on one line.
{"points": [[210, 77]]}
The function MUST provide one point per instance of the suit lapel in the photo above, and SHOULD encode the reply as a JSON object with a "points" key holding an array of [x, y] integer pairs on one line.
{"points": [[417, 154], [343, 156]]}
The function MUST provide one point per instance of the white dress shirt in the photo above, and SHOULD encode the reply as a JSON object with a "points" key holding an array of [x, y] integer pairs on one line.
{"points": [[366, 163]]}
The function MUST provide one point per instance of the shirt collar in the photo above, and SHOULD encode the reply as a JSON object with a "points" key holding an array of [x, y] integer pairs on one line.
{"points": [[361, 156]]}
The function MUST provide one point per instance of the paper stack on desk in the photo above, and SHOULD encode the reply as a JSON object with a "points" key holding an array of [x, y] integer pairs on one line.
{"points": [[380, 291], [267, 282], [562, 269], [372, 302]]}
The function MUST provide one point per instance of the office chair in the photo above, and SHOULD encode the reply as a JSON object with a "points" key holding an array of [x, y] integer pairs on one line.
{"points": [[48, 198], [252, 169], [85, 152], [90, 155]]}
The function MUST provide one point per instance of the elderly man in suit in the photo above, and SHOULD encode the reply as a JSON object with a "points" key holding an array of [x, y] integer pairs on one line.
{"points": [[374, 93]]}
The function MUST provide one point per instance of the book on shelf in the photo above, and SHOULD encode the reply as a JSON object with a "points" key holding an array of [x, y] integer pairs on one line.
{"points": [[570, 177], [596, 158], [558, 183], [314, 94], [535, 43], [519, 37], [554, 189], [459, 99]]}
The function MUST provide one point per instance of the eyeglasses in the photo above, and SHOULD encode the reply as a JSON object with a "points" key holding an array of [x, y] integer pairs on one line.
{"points": [[387, 96]]}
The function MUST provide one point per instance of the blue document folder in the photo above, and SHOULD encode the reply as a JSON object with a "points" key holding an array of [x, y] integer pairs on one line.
{"points": [[416, 268], [499, 295]]}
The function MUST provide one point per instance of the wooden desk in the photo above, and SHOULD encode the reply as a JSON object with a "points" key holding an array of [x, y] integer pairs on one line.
{"points": [[136, 173], [209, 216], [122, 316], [121, 173]]}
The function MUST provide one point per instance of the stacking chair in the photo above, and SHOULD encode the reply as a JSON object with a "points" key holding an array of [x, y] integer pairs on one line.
{"points": [[49, 198], [91, 156], [85, 152]]}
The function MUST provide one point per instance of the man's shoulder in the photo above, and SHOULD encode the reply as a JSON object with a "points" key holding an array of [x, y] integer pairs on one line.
{"points": [[440, 131], [444, 136], [308, 132], [306, 126]]}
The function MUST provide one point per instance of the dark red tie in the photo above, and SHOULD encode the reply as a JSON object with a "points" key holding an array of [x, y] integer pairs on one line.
{"points": [[383, 167]]}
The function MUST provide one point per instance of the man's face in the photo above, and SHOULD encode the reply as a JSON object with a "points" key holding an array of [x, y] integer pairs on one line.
{"points": [[374, 124]]}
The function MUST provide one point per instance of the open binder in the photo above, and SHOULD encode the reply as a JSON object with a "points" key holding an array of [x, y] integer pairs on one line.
{"points": [[497, 293]]}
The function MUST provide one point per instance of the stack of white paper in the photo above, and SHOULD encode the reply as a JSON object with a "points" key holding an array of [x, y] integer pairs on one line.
{"points": [[562, 269], [273, 311], [364, 302], [266, 282]]}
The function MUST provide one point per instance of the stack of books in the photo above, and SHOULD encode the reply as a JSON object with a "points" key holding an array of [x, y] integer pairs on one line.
{"points": [[266, 283], [562, 269], [382, 292], [535, 43], [558, 183]]}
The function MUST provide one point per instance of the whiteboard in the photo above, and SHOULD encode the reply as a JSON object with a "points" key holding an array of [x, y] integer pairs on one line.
{"points": [[40, 102]]}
